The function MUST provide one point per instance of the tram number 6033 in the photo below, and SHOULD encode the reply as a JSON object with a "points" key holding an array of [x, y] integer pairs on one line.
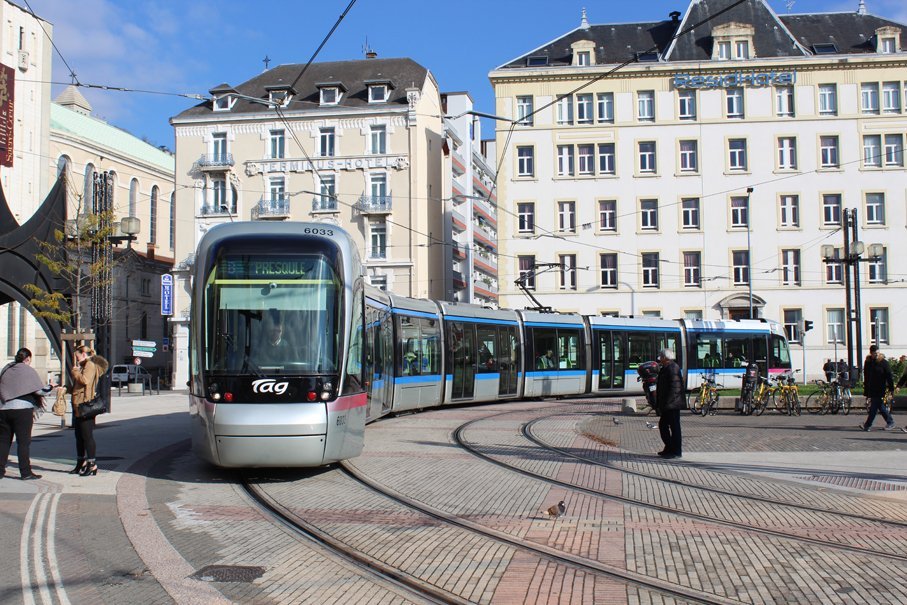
{"points": [[318, 231]]}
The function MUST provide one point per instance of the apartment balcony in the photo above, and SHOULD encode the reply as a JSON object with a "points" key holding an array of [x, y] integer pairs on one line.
{"points": [[458, 250], [486, 211], [374, 204], [215, 162], [486, 265], [216, 210], [325, 204], [459, 166], [272, 210], [459, 221], [459, 281], [486, 290]]}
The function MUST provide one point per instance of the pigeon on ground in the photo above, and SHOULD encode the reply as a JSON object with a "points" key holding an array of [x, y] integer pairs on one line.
{"points": [[650, 425], [616, 421], [556, 510]]}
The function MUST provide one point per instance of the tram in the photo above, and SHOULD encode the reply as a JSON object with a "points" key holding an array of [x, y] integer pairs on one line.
{"points": [[291, 354]]}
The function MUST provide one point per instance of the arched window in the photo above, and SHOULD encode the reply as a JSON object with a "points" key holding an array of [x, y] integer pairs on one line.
{"points": [[172, 220], [88, 190], [63, 165], [112, 181], [152, 215], [133, 196]]}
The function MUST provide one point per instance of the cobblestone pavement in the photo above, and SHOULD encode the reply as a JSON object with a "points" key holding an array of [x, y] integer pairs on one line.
{"points": [[157, 526]]}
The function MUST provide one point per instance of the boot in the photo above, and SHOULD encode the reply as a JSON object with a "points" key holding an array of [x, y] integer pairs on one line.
{"points": [[90, 468], [80, 464]]}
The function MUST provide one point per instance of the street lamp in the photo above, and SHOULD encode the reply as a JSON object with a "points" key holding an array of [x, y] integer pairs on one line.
{"points": [[850, 256], [749, 249]]}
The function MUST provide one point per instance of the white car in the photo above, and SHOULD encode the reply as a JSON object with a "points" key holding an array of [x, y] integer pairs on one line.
{"points": [[125, 373]]}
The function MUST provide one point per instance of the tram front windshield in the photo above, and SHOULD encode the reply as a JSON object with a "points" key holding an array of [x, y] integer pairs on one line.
{"points": [[272, 314]]}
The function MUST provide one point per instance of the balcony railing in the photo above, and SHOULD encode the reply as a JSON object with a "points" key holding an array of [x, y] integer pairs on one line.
{"points": [[216, 210], [216, 161], [278, 208], [374, 204], [324, 204]]}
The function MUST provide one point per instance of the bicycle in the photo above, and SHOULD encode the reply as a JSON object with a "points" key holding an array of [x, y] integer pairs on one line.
{"points": [[706, 401], [789, 399], [830, 399], [765, 391]]}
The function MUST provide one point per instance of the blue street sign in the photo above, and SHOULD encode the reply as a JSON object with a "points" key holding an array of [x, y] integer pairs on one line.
{"points": [[166, 294]]}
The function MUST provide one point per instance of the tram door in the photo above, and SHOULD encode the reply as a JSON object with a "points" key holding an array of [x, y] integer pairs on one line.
{"points": [[619, 357], [462, 339], [508, 356], [377, 370]]}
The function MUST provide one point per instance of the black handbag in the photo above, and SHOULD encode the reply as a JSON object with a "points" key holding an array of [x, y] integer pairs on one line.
{"points": [[92, 408]]}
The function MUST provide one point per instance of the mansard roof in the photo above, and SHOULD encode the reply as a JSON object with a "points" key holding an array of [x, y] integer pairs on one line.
{"points": [[353, 75], [773, 35]]}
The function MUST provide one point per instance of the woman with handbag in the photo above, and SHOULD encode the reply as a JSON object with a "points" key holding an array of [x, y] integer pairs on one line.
{"points": [[21, 401], [87, 369]]}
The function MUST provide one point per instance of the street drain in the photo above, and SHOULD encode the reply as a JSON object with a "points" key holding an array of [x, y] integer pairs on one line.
{"points": [[228, 573]]}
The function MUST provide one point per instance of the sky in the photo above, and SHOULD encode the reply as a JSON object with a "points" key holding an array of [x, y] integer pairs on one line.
{"points": [[172, 47]]}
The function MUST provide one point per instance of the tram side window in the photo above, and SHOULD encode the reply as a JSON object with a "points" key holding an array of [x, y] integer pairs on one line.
{"points": [[570, 350], [736, 351], [709, 351], [544, 343], [419, 346], [640, 348], [487, 350], [667, 340], [353, 380], [431, 346], [780, 353]]}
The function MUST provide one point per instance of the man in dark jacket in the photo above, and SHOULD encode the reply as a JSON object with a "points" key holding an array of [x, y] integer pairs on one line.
{"points": [[669, 401], [877, 379]]}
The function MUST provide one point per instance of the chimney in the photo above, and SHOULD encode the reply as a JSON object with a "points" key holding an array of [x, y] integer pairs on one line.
{"points": [[371, 54], [675, 16]]}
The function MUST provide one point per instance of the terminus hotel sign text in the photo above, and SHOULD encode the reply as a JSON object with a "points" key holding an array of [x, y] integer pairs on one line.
{"points": [[397, 162], [736, 80]]}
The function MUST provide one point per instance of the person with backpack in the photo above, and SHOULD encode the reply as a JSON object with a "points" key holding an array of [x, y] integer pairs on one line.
{"points": [[21, 401], [87, 369], [877, 379]]}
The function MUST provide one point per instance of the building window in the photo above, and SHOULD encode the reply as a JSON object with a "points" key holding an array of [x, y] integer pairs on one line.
{"points": [[277, 188], [831, 209], [790, 211], [568, 271], [743, 49], [524, 110], [326, 140], [565, 160], [739, 212], [525, 163], [584, 113], [583, 58], [330, 95], [894, 150], [608, 270], [526, 217], [828, 99], [872, 151], [741, 267], [784, 101], [689, 213], [648, 215], [689, 160], [377, 238], [378, 188], [219, 201], [790, 267], [828, 152], [607, 215], [327, 199], [527, 271], [869, 98], [735, 103], [565, 110], [834, 273], [152, 216], [723, 51], [645, 104], [566, 217], [875, 208], [276, 145], [737, 154], [687, 104], [787, 153], [834, 324], [377, 93], [878, 325], [647, 157], [792, 320], [172, 220], [891, 97], [878, 269], [377, 139], [606, 164], [693, 314], [692, 269], [219, 147], [379, 282], [585, 155], [605, 102], [650, 269]]}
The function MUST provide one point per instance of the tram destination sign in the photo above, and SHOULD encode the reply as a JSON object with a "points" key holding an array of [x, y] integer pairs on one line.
{"points": [[267, 267], [753, 79]]}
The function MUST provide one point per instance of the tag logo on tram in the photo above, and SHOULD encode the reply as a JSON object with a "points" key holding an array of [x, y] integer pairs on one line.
{"points": [[269, 385]]}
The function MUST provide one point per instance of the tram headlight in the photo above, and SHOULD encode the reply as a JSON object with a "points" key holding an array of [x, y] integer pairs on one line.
{"points": [[215, 396], [325, 395]]}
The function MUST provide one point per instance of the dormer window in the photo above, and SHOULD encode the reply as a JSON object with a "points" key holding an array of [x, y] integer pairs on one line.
{"points": [[330, 93], [732, 42], [224, 102], [280, 95], [583, 58], [583, 53], [888, 40], [379, 91]]}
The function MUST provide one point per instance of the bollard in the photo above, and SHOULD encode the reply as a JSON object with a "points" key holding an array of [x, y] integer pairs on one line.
{"points": [[628, 405]]}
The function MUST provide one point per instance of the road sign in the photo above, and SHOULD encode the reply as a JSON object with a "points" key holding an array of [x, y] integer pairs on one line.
{"points": [[138, 354], [137, 361], [166, 294], [146, 349], [144, 343]]}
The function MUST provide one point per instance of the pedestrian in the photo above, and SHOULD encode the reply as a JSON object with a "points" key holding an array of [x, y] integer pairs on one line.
{"points": [[22, 397], [829, 369], [87, 369], [668, 403], [902, 382], [877, 379]]}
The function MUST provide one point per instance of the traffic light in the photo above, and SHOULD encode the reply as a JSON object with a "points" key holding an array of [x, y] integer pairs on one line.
{"points": [[807, 325]]}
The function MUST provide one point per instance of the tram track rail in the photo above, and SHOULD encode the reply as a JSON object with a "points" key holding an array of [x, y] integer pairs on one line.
{"points": [[459, 439]]}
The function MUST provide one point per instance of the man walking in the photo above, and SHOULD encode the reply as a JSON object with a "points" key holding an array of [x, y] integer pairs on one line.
{"points": [[668, 402], [877, 379]]}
